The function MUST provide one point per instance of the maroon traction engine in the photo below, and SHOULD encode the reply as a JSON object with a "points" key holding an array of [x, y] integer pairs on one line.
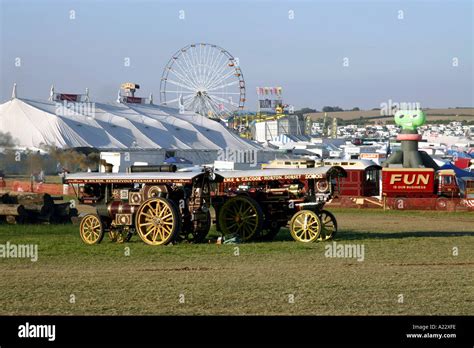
{"points": [[165, 207]]}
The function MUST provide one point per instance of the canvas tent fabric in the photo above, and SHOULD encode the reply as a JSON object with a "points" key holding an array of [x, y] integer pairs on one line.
{"points": [[460, 154], [460, 173], [115, 126]]}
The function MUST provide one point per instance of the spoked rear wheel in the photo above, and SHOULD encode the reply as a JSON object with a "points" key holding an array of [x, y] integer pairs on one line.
{"points": [[157, 221], [242, 216]]}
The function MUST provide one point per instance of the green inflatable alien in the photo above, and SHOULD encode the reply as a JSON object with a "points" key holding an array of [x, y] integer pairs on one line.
{"points": [[409, 156], [410, 120]]}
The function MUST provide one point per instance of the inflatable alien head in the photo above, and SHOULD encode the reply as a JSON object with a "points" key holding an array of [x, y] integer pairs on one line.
{"points": [[410, 119]]}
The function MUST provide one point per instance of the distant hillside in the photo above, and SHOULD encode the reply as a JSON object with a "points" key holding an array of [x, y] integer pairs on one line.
{"points": [[374, 115]]}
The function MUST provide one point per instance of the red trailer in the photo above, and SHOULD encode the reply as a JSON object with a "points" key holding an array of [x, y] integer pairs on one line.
{"points": [[424, 188], [363, 177], [402, 188], [413, 182]]}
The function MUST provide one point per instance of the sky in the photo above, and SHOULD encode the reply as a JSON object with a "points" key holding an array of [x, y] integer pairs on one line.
{"points": [[345, 53]]}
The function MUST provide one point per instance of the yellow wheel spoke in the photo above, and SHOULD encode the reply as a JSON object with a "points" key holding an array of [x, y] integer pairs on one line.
{"points": [[297, 229], [155, 234], [306, 234], [149, 216], [162, 236], [168, 218], [149, 206], [311, 232], [159, 233], [167, 230], [160, 210], [148, 232]]}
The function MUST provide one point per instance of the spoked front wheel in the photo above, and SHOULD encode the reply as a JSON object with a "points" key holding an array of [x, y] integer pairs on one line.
{"points": [[305, 226], [91, 229]]}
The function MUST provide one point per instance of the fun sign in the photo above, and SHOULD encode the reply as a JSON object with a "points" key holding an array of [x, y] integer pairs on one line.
{"points": [[408, 180]]}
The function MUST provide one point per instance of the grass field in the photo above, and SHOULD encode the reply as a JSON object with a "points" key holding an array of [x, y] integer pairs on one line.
{"points": [[407, 254], [464, 114]]}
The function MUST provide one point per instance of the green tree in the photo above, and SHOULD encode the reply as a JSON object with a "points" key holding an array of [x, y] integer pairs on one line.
{"points": [[332, 109]]}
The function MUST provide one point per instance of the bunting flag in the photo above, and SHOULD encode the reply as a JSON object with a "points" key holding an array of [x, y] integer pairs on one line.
{"points": [[269, 91]]}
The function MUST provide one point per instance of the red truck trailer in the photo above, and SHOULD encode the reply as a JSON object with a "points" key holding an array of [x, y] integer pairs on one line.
{"points": [[421, 188], [401, 182]]}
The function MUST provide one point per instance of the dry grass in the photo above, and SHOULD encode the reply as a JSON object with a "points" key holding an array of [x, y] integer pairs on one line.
{"points": [[432, 114], [407, 253]]}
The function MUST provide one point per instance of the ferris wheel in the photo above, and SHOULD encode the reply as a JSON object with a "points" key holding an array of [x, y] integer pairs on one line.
{"points": [[203, 78]]}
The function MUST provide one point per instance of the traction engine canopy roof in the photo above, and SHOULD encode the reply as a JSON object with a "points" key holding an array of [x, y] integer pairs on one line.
{"points": [[132, 178], [281, 174], [221, 176]]}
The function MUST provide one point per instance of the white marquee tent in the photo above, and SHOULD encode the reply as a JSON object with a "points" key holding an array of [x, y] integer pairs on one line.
{"points": [[141, 128], [114, 126]]}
